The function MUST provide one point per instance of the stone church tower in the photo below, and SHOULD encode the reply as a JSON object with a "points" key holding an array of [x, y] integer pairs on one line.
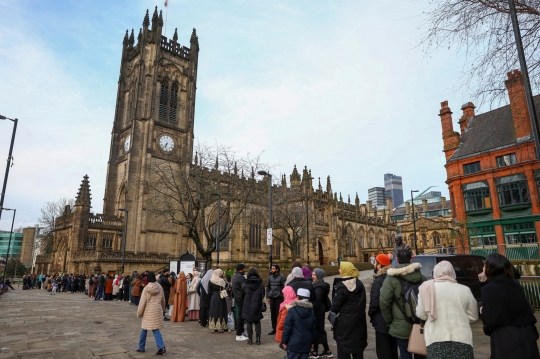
{"points": [[153, 121]]}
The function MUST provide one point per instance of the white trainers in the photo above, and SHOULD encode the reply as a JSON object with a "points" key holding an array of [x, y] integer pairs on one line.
{"points": [[240, 338]]}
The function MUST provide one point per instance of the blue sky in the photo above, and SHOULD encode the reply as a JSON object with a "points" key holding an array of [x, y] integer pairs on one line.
{"points": [[339, 86]]}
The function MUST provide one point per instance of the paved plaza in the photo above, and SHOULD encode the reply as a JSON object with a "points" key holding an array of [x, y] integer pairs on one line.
{"points": [[35, 324]]}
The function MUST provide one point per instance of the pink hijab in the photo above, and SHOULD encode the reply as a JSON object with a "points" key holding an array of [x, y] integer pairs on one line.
{"points": [[289, 296], [442, 272]]}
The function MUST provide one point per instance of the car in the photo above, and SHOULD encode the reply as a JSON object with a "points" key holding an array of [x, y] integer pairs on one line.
{"points": [[467, 268]]}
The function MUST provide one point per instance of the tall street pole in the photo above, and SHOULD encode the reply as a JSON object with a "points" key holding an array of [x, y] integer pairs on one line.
{"points": [[414, 222], [218, 244], [525, 74], [9, 161], [307, 218], [124, 238], [9, 243], [264, 173]]}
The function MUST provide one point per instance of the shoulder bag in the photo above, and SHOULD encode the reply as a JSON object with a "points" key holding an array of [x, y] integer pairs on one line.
{"points": [[263, 308], [417, 342], [223, 294]]}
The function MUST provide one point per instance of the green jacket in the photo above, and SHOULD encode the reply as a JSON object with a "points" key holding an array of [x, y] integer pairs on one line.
{"points": [[390, 299]]}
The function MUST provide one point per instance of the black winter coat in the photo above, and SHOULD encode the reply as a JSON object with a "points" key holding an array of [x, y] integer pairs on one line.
{"points": [[350, 330], [300, 327], [509, 320], [297, 283], [166, 285], [321, 290], [237, 280], [374, 311], [205, 298], [253, 290], [274, 285]]}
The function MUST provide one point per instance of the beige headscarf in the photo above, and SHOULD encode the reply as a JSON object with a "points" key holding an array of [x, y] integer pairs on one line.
{"points": [[442, 272], [216, 278]]}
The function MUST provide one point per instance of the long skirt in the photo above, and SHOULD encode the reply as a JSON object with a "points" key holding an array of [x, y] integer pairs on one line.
{"points": [[108, 296], [218, 313], [449, 350], [193, 315], [514, 342]]}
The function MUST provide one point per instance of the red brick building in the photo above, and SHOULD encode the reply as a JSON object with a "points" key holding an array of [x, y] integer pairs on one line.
{"points": [[493, 175]]}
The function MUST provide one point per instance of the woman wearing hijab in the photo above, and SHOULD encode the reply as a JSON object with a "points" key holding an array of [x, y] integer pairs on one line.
{"points": [[298, 281], [151, 311], [307, 273], [349, 302], [136, 291], [206, 296], [115, 287], [218, 306], [193, 298], [320, 307], [180, 295], [448, 308], [289, 296], [253, 289], [507, 315]]}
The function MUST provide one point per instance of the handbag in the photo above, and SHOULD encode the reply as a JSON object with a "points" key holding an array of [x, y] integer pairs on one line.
{"points": [[263, 308], [417, 342], [332, 318], [223, 294]]}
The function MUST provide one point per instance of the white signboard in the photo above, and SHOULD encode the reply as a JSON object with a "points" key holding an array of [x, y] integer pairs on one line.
{"points": [[269, 237], [173, 266], [186, 267]]}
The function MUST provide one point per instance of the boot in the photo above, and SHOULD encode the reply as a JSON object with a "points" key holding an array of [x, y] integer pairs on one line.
{"points": [[258, 342], [250, 339]]}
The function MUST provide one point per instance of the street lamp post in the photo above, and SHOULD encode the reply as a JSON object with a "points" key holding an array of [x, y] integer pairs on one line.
{"points": [[218, 232], [264, 173], [124, 238], [307, 217], [10, 235], [9, 160], [414, 221]]}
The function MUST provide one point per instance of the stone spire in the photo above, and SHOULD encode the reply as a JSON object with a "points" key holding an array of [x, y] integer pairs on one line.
{"points": [[235, 169], [83, 196], [295, 176], [160, 18], [131, 38], [126, 38], [146, 21], [175, 36], [328, 185], [357, 200], [196, 160], [194, 39], [139, 38], [284, 181], [320, 187]]}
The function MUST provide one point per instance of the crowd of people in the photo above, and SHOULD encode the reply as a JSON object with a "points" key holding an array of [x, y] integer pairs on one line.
{"points": [[401, 299]]}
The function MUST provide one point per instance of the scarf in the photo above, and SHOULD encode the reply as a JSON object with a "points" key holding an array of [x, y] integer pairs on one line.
{"points": [[348, 270], [319, 273], [442, 272], [297, 273], [306, 272], [216, 278], [206, 280], [289, 296]]}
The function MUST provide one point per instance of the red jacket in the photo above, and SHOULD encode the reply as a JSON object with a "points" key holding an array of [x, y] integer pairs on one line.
{"points": [[281, 323]]}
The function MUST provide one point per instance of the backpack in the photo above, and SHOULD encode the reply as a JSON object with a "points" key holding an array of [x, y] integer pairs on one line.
{"points": [[409, 296]]}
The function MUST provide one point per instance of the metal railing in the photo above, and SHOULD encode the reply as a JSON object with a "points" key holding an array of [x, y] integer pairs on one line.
{"points": [[520, 251], [531, 287]]}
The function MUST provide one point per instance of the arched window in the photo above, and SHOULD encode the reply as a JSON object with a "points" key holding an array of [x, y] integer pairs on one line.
{"points": [[107, 241], [174, 103], [255, 232], [163, 100], [224, 226], [90, 241], [436, 239], [349, 240], [276, 248]]}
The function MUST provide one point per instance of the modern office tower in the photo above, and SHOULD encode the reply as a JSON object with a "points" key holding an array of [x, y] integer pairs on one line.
{"points": [[430, 194], [377, 197], [393, 186]]}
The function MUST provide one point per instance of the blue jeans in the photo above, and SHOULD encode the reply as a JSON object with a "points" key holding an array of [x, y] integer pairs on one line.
{"points": [[403, 352], [130, 295], [99, 292], [157, 337]]}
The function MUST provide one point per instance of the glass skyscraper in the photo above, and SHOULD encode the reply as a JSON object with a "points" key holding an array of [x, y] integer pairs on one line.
{"points": [[393, 186]]}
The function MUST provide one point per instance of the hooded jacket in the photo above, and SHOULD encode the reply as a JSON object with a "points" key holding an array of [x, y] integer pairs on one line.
{"points": [[300, 327], [391, 302], [321, 290], [151, 307], [274, 285], [237, 280], [297, 283], [253, 290], [374, 311]]}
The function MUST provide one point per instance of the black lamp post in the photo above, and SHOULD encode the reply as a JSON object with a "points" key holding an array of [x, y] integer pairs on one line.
{"points": [[218, 232], [307, 218], [124, 238], [264, 173], [10, 235], [9, 161], [414, 221]]}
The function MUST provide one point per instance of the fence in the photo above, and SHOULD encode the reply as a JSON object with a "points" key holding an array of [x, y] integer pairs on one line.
{"points": [[531, 287], [514, 252]]}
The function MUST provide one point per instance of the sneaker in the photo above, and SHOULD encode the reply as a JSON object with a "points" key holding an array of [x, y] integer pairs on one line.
{"points": [[314, 355], [327, 354], [166, 319], [240, 338]]}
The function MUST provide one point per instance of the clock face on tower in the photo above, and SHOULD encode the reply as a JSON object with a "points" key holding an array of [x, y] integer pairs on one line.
{"points": [[127, 143], [166, 143]]}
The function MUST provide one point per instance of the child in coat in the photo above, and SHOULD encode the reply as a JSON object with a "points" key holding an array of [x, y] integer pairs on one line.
{"points": [[300, 327]]}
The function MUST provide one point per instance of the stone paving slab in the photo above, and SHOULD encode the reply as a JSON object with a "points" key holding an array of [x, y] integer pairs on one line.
{"points": [[35, 324]]}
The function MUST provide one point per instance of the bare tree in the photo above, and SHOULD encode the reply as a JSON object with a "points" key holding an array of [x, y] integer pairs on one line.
{"points": [[49, 212], [482, 31], [186, 195]]}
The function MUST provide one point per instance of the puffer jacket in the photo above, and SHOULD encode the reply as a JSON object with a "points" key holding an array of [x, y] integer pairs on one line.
{"points": [[274, 285], [321, 290], [374, 310], [391, 302], [151, 307], [300, 327], [253, 297], [237, 280], [282, 315]]}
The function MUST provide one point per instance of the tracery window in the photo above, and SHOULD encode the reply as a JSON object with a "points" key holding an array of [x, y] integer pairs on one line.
{"points": [[107, 241], [90, 241], [168, 101]]}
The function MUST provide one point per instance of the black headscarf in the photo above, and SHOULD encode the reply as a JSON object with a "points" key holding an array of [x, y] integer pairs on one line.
{"points": [[151, 277]]}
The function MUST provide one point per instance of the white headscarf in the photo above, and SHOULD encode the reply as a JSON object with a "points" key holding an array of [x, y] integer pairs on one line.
{"points": [[216, 278], [206, 279], [442, 272]]}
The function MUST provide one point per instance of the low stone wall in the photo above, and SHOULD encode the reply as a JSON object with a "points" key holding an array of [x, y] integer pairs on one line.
{"points": [[528, 267]]}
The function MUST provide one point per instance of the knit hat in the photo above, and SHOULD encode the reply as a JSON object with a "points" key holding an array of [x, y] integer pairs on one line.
{"points": [[383, 259], [303, 292], [240, 266], [319, 273]]}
